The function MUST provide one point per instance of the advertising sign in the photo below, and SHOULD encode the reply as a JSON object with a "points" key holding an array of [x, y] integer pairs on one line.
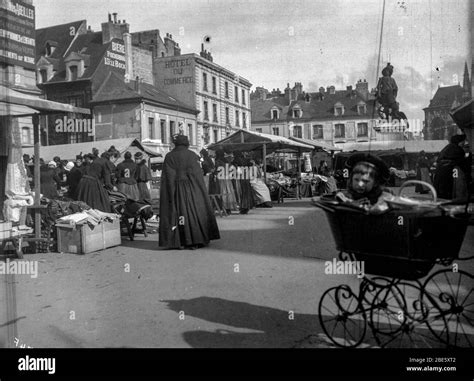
{"points": [[17, 33]]}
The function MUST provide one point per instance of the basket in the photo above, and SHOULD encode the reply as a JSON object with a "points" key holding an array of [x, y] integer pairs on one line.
{"points": [[402, 244]]}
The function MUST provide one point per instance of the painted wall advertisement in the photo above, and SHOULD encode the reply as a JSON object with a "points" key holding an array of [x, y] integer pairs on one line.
{"points": [[115, 55], [17, 33]]}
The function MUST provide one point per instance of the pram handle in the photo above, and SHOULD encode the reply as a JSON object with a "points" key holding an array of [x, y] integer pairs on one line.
{"points": [[411, 182]]}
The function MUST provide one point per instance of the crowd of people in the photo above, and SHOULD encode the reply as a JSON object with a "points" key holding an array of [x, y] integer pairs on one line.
{"points": [[91, 176]]}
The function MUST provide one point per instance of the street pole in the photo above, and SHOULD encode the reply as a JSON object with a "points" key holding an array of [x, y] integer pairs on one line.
{"points": [[265, 162]]}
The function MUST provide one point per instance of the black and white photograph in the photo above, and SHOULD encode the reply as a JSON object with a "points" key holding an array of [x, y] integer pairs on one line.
{"points": [[237, 174]]}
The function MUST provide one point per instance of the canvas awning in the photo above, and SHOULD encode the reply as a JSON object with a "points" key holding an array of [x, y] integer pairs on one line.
{"points": [[244, 140], [30, 104], [321, 145], [69, 151], [409, 146]]}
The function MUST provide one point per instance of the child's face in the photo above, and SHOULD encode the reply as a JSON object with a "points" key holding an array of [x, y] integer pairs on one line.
{"points": [[362, 182]]}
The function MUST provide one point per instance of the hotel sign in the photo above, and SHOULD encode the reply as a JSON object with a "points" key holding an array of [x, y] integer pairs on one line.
{"points": [[17, 33], [178, 72]]}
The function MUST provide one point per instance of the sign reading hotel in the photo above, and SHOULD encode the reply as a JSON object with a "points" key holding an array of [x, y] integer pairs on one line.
{"points": [[178, 72], [17, 33], [115, 56]]}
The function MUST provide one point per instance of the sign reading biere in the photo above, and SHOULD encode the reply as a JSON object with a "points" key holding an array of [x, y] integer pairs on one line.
{"points": [[17, 33]]}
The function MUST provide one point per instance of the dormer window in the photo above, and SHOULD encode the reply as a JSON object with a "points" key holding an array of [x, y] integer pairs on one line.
{"points": [[76, 64], [297, 112], [361, 108], [43, 76], [338, 109], [73, 71], [275, 113]]}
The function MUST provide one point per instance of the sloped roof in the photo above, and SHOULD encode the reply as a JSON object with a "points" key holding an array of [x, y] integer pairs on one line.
{"points": [[114, 88], [90, 47], [60, 34], [445, 96], [314, 109], [244, 140]]}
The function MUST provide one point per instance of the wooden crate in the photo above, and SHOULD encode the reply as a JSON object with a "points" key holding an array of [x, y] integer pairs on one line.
{"points": [[83, 240]]}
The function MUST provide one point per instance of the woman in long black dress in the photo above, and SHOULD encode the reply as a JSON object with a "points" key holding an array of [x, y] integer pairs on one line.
{"points": [[91, 189], [186, 216], [49, 180]]}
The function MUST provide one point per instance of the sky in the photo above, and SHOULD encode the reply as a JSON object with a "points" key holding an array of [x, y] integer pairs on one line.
{"points": [[315, 42]]}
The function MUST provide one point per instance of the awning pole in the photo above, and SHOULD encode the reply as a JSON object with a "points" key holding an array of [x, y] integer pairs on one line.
{"points": [[265, 162], [298, 175], [36, 134]]}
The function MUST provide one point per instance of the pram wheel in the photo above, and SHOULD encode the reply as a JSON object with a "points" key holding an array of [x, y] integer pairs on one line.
{"points": [[397, 318], [452, 322], [341, 317]]}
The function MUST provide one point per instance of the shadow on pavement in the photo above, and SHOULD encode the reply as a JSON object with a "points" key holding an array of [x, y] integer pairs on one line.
{"points": [[276, 328]]}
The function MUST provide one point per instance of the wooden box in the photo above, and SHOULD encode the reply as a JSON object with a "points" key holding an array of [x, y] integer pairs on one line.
{"points": [[83, 240]]}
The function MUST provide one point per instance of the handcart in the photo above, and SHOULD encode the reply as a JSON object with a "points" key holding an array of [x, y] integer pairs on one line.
{"points": [[399, 248]]}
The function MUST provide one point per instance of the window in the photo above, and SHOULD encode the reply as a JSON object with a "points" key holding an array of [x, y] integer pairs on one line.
{"points": [[43, 76], [191, 133], [151, 128], [214, 85], [75, 138], [163, 130], [274, 114], [297, 132], [204, 81], [297, 113], [318, 131], [227, 89], [260, 130], [73, 70], [236, 92], [244, 119], [361, 109], [214, 112], [172, 129], [243, 96], [276, 130], [206, 111], [227, 115], [362, 129], [237, 118], [216, 135], [26, 135], [339, 131], [338, 109], [99, 117]]}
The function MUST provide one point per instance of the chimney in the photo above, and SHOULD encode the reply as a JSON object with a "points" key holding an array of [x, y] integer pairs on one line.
{"points": [[127, 39], [321, 90], [113, 29], [363, 89], [115, 17], [331, 90], [349, 88], [137, 84], [110, 17]]}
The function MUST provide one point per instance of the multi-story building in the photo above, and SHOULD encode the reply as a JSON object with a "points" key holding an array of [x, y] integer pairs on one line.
{"points": [[438, 122], [74, 64], [330, 116], [221, 96]]}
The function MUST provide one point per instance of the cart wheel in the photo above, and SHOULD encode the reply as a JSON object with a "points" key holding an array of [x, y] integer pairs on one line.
{"points": [[452, 319], [341, 317], [397, 318]]}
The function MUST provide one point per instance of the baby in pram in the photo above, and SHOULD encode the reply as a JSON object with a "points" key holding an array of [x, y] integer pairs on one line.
{"points": [[365, 188]]}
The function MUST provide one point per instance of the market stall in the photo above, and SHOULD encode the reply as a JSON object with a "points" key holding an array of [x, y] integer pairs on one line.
{"points": [[13, 180], [244, 140]]}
